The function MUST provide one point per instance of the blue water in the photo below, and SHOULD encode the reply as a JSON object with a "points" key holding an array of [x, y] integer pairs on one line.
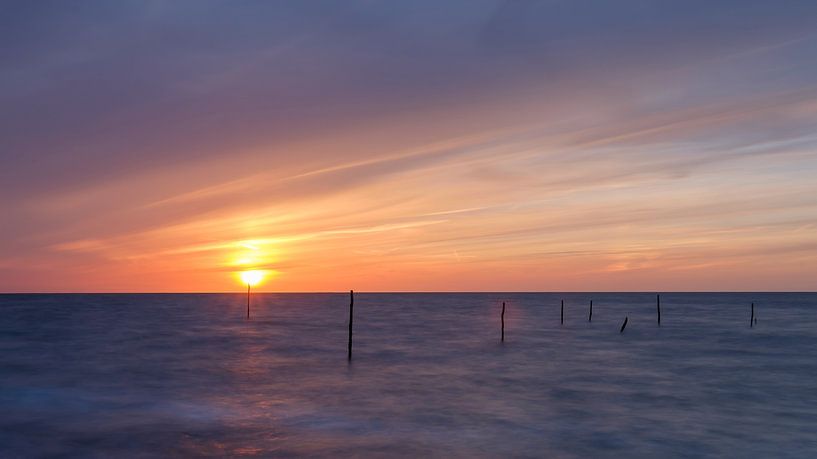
{"points": [[186, 375]]}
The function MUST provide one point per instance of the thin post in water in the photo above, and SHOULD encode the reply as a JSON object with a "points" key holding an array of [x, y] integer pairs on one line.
{"points": [[590, 317], [624, 324], [752, 318], [351, 316], [502, 318], [248, 301], [562, 316], [658, 308]]}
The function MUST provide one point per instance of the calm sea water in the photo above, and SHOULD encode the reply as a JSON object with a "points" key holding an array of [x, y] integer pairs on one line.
{"points": [[186, 375]]}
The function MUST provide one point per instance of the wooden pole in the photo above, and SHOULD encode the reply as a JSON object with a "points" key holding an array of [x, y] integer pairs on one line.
{"points": [[248, 301], [502, 317], [752, 318], [590, 317], [351, 316], [562, 316], [658, 308], [624, 324]]}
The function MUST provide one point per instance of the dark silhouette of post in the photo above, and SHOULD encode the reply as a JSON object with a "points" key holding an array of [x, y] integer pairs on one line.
{"points": [[624, 324], [502, 318], [752, 318], [658, 308], [562, 316], [248, 301], [351, 316], [590, 317]]}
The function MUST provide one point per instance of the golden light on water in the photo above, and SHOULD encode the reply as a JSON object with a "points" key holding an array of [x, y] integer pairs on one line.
{"points": [[253, 277]]}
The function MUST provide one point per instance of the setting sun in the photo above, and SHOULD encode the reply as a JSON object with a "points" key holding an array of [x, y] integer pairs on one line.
{"points": [[252, 278]]}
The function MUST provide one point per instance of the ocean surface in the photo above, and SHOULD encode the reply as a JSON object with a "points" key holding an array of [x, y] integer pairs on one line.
{"points": [[178, 375]]}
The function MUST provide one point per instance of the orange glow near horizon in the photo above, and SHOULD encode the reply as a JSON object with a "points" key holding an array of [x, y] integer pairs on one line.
{"points": [[491, 220]]}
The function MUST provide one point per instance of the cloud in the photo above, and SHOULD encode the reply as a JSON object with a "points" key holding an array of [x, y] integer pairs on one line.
{"points": [[413, 143]]}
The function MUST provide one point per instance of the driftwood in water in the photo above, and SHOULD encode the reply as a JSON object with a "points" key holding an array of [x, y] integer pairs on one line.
{"points": [[502, 317], [624, 324], [351, 316]]}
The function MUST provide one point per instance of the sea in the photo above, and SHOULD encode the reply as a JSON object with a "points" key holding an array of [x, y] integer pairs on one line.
{"points": [[188, 375]]}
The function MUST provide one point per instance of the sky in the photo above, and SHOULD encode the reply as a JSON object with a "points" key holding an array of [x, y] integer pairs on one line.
{"points": [[475, 145]]}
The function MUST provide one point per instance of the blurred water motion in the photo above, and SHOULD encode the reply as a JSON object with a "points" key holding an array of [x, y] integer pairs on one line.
{"points": [[187, 375]]}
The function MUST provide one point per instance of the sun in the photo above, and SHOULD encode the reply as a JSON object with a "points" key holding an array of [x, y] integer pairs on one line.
{"points": [[252, 278]]}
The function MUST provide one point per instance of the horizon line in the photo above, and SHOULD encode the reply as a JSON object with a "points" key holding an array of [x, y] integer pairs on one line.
{"points": [[327, 292]]}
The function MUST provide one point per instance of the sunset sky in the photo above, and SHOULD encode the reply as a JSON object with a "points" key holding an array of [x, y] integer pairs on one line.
{"points": [[476, 145]]}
